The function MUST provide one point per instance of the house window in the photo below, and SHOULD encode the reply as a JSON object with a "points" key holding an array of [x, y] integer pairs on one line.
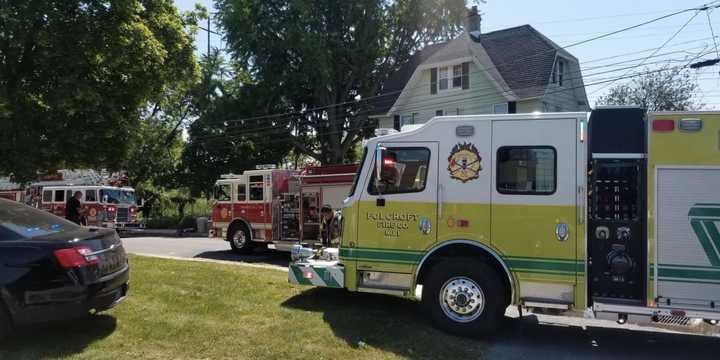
{"points": [[526, 170], [558, 72], [444, 78], [407, 120], [501, 108], [439, 113], [457, 76], [450, 77]]}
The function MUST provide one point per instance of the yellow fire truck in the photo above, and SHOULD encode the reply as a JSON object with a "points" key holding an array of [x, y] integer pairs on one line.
{"points": [[612, 214]]}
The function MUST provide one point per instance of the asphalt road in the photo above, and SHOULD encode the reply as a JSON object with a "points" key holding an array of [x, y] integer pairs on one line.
{"points": [[535, 336], [202, 248]]}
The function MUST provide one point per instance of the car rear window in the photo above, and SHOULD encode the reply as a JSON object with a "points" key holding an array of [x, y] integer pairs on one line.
{"points": [[26, 222]]}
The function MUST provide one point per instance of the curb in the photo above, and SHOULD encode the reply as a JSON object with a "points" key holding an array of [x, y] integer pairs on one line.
{"points": [[226, 262]]}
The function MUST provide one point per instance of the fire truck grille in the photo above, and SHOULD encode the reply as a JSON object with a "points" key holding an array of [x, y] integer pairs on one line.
{"points": [[123, 214]]}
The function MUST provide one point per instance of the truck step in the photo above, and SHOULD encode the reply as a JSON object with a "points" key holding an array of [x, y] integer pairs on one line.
{"points": [[673, 320]]}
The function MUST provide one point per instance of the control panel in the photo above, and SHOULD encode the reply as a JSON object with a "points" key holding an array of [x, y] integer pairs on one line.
{"points": [[616, 230]]}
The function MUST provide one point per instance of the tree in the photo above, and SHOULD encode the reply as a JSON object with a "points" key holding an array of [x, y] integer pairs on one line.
{"points": [[75, 77], [664, 90], [229, 134], [311, 54]]}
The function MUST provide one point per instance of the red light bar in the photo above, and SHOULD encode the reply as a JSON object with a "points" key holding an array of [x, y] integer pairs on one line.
{"points": [[663, 125]]}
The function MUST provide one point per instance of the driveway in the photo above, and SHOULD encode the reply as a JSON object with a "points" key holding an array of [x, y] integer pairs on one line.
{"points": [[201, 248]]}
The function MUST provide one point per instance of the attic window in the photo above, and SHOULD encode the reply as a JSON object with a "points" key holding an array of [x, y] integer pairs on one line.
{"points": [[450, 77]]}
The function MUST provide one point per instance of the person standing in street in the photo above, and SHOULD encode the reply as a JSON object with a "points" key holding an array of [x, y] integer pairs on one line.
{"points": [[73, 207]]}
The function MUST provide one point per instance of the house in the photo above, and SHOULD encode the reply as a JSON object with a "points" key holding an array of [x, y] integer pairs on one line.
{"points": [[515, 70]]}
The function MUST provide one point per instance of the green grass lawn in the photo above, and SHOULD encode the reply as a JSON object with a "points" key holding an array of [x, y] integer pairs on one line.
{"points": [[192, 310]]}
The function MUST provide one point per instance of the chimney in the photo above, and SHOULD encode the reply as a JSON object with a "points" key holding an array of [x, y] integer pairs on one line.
{"points": [[473, 21]]}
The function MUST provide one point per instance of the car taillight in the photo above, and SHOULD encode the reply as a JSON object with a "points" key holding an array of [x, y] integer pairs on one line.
{"points": [[76, 257]]}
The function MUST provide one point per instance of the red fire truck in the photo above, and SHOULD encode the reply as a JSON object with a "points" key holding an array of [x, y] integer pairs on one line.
{"points": [[15, 195], [278, 207], [104, 206]]}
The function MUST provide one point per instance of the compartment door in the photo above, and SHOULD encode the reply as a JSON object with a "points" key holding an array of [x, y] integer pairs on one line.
{"points": [[688, 237]]}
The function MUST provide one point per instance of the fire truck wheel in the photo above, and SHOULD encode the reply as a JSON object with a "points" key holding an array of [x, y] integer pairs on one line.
{"points": [[239, 237], [5, 322], [464, 298]]}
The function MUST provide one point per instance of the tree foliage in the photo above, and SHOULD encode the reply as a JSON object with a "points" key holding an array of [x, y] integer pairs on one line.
{"points": [[666, 90], [229, 133], [310, 54], [75, 77]]}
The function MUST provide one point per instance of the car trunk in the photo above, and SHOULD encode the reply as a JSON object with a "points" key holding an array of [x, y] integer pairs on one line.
{"points": [[104, 244]]}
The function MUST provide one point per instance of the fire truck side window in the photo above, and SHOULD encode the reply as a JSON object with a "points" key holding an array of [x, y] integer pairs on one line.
{"points": [[256, 188], [526, 170], [241, 192], [405, 171], [47, 196], [91, 195], [59, 196], [222, 192]]}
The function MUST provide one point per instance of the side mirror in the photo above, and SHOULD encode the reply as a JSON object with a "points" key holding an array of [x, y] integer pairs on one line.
{"points": [[379, 152]]}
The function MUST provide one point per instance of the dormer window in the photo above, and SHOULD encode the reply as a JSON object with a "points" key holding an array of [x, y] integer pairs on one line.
{"points": [[450, 77]]}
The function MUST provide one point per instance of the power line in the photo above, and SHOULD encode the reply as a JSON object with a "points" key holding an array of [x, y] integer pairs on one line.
{"points": [[204, 140], [658, 49], [524, 58]]}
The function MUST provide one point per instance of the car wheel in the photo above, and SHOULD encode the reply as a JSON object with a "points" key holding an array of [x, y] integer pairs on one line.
{"points": [[6, 324], [239, 238], [465, 298]]}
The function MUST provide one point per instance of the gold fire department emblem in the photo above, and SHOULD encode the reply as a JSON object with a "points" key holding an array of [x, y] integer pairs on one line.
{"points": [[464, 162]]}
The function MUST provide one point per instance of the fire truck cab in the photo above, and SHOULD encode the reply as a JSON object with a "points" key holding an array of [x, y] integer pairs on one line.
{"points": [[103, 206]]}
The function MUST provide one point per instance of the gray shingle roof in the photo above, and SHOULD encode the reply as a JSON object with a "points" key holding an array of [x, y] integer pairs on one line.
{"points": [[396, 82], [523, 57]]}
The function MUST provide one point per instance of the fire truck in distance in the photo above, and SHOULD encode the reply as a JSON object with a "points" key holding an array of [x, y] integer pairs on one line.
{"points": [[278, 207], [103, 206]]}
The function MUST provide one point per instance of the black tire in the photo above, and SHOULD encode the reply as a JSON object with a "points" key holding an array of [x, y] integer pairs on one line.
{"points": [[240, 246], [479, 320], [6, 324]]}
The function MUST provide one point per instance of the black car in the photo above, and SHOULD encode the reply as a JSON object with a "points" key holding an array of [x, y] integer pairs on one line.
{"points": [[53, 269]]}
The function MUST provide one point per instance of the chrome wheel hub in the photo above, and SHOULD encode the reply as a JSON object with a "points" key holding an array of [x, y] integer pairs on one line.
{"points": [[461, 299], [239, 239]]}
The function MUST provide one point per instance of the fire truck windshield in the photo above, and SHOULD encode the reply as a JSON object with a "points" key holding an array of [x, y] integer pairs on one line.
{"points": [[117, 196]]}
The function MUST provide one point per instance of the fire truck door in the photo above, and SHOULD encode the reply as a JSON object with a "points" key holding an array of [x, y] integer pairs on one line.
{"points": [[398, 218], [533, 208]]}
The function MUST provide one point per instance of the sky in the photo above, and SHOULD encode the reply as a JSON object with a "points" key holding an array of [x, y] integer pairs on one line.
{"points": [[566, 22]]}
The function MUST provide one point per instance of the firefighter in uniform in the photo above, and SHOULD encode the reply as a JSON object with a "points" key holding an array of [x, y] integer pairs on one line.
{"points": [[329, 230]]}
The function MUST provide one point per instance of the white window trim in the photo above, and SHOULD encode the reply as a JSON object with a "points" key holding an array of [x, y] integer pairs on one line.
{"points": [[450, 67]]}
